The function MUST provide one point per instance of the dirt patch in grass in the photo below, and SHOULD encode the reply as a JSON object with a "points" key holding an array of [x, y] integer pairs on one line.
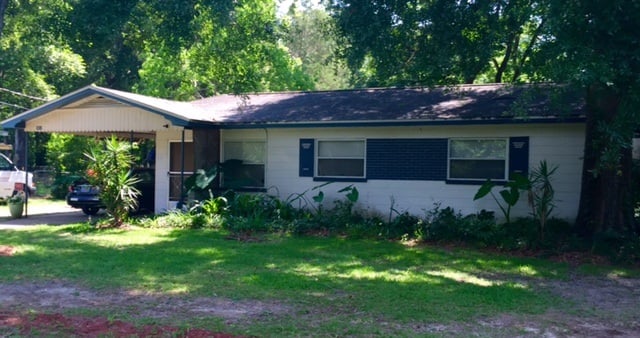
{"points": [[598, 307], [38, 307], [592, 307], [59, 296], [60, 325], [7, 250]]}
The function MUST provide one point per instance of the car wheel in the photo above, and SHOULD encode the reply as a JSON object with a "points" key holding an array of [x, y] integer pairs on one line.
{"points": [[90, 211]]}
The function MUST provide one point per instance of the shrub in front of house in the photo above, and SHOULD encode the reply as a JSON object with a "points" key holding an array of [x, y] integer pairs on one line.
{"points": [[246, 215]]}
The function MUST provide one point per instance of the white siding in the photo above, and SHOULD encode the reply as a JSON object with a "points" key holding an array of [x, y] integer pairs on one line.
{"points": [[560, 145], [98, 119]]}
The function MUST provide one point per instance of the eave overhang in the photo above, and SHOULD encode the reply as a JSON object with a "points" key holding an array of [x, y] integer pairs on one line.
{"points": [[396, 123]]}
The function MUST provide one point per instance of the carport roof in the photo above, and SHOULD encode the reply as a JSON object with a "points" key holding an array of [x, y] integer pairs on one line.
{"points": [[174, 111], [466, 104]]}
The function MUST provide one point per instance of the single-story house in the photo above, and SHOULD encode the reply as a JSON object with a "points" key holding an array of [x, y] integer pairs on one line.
{"points": [[403, 147]]}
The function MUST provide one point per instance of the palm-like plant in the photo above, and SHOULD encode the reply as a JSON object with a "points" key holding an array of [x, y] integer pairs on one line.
{"points": [[109, 170], [541, 194]]}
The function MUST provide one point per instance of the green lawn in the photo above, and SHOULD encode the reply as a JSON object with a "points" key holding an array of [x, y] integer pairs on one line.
{"points": [[355, 284]]}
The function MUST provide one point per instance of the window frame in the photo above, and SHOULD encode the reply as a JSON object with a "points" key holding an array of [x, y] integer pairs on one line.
{"points": [[174, 176], [317, 159], [478, 180], [263, 164]]}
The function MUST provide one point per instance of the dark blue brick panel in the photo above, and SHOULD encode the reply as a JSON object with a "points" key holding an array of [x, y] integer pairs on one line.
{"points": [[407, 159]]}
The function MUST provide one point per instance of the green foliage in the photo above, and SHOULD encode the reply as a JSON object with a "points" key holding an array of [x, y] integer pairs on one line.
{"points": [[447, 225], [599, 55], [246, 216], [174, 219], [37, 62], [237, 55], [439, 42], [179, 49], [109, 170], [621, 248], [309, 35], [302, 201], [104, 41], [215, 206], [201, 183], [18, 198], [510, 195], [251, 213], [542, 194], [403, 226], [65, 153], [61, 185]]}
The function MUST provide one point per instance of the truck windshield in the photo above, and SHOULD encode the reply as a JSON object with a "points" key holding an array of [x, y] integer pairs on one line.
{"points": [[5, 163]]}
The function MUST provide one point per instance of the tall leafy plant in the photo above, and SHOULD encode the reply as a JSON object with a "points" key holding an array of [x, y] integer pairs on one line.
{"points": [[202, 182], [542, 194], [109, 170], [510, 194]]}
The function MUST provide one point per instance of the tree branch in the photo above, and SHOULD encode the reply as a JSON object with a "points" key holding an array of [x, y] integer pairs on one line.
{"points": [[527, 52]]}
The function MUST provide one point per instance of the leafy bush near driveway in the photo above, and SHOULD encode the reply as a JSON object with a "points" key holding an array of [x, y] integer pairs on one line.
{"points": [[109, 169], [61, 183]]}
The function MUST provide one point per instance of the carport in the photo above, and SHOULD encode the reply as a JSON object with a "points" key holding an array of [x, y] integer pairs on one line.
{"points": [[177, 128]]}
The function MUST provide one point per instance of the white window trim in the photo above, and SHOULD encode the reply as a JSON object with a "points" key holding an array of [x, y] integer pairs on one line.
{"points": [[505, 159], [316, 157]]}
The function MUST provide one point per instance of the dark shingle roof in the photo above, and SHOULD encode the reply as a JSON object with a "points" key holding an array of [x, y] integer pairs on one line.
{"points": [[483, 104], [476, 102]]}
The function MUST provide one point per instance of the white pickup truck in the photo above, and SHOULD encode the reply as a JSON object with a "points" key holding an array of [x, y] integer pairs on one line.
{"points": [[12, 178]]}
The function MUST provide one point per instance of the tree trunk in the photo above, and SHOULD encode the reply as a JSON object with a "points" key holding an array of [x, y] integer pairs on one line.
{"points": [[605, 199], [527, 52], [512, 45]]}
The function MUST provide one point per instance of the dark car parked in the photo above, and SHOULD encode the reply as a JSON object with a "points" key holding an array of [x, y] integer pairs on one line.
{"points": [[85, 196]]}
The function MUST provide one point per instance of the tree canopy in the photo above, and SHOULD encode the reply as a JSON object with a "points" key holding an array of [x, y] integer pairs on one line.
{"points": [[236, 53], [174, 49], [310, 35], [597, 48], [439, 42]]}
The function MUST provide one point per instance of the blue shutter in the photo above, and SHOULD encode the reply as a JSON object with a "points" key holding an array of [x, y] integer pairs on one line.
{"points": [[518, 156], [307, 153]]}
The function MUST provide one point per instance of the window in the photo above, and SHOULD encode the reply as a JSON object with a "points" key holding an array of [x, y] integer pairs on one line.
{"points": [[478, 159], [175, 167], [244, 164], [341, 159]]}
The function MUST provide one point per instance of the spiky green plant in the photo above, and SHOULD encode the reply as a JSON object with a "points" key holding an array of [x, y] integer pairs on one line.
{"points": [[542, 194], [109, 169]]}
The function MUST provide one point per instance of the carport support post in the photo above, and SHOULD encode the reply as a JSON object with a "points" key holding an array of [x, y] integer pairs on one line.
{"points": [[21, 160], [181, 201], [26, 174]]}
